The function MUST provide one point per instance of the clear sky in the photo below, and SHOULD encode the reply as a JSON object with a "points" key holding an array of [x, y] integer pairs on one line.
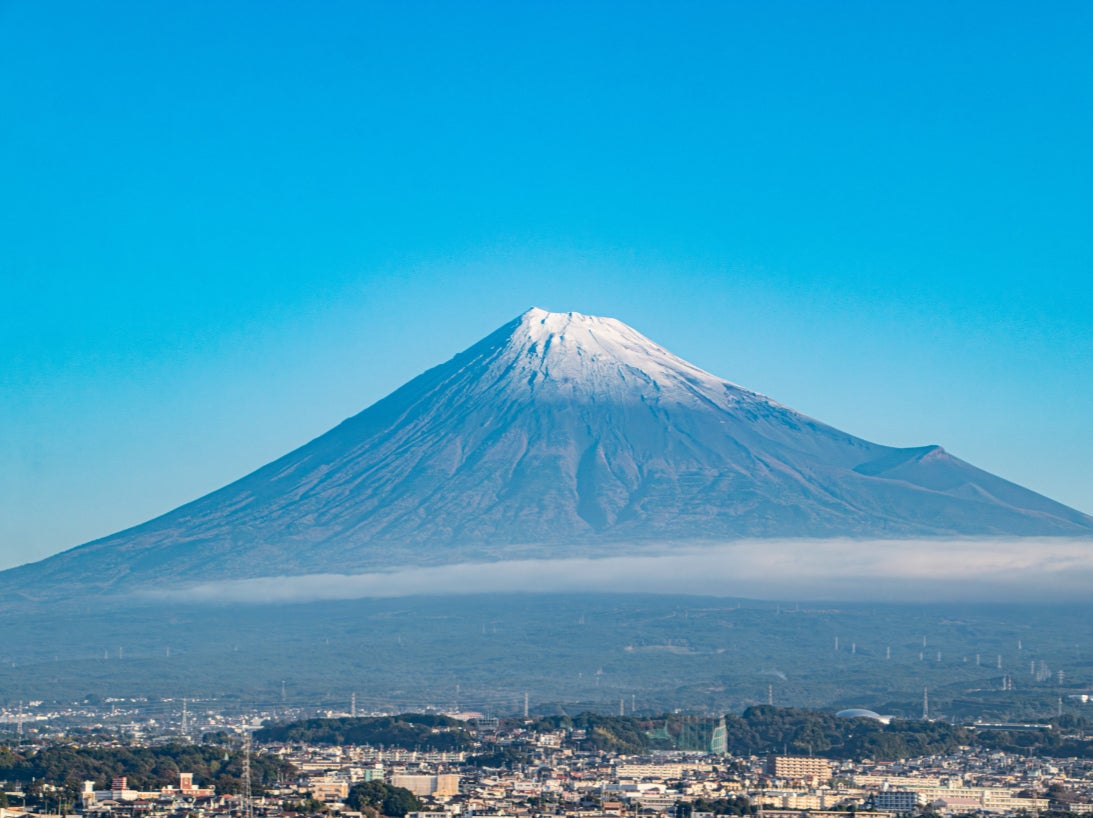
{"points": [[225, 227]]}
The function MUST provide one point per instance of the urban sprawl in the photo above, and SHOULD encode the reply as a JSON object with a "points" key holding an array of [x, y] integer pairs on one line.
{"points": [[519, 768]]}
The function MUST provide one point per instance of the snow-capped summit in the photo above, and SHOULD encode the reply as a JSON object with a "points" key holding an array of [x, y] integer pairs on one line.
{"points": [[585, 356], [559, 434]]}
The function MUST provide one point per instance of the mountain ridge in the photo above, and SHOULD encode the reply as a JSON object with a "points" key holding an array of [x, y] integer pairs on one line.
{"points": [[558, 434]]}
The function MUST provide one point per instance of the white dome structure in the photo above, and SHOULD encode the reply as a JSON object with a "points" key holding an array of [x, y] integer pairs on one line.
{"points": [[862, 713]]}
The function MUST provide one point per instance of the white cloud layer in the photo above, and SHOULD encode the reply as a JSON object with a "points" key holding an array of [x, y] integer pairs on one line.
{"points": [[1027, 570]]}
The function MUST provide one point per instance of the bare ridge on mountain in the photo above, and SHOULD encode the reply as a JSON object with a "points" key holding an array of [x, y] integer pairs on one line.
{"points": [[558, 435]]}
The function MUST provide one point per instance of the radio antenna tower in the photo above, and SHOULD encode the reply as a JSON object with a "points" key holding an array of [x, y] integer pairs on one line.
{"points": [[353, 706], [185, 719], [248, 806], [925, 704]]}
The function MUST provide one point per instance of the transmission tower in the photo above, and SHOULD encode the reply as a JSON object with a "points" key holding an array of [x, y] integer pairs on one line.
{"points": [[248, 806]]}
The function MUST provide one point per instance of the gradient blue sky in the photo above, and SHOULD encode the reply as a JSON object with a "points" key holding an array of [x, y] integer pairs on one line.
{"points": [[225, 227]]}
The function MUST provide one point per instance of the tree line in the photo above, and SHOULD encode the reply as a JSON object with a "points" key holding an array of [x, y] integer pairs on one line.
{"points": [[409, 731], [146, 768]]}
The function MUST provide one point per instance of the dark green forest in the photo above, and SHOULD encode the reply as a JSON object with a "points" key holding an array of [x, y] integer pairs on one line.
{"points": [[410, 731], [382, 799], [146, 768]]}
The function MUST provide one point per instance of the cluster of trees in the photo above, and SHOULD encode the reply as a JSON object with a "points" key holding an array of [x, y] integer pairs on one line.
{"points": [[771, 729], [764, 729], [608, 734], [146, 768], [375, 798], [734, 805], [507, 757], [409, 731], [1065, 739]]}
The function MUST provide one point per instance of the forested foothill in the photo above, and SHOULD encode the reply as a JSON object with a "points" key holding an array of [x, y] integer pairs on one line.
{"points": [[146, 768], [759, 730], [765, 729], [411, 731]]}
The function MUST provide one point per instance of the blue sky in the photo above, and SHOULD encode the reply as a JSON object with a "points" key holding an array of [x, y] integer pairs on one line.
{"points": [[227, 226]]}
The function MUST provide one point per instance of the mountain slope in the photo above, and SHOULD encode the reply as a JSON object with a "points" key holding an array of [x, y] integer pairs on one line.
{"points": [[558, 434]]}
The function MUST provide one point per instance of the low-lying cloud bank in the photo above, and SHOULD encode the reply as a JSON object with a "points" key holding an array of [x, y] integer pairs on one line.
{"points": [[1026, 570]]}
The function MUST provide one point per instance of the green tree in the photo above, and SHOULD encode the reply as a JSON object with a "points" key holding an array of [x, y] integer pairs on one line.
{"points": [[391, 801]]}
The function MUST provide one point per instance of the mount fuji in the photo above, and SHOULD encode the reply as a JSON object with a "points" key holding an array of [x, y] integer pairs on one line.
{"points": [[558, 435]]}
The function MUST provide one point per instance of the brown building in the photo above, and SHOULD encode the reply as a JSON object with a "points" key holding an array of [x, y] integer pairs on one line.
{"points": [[799, 767]]}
